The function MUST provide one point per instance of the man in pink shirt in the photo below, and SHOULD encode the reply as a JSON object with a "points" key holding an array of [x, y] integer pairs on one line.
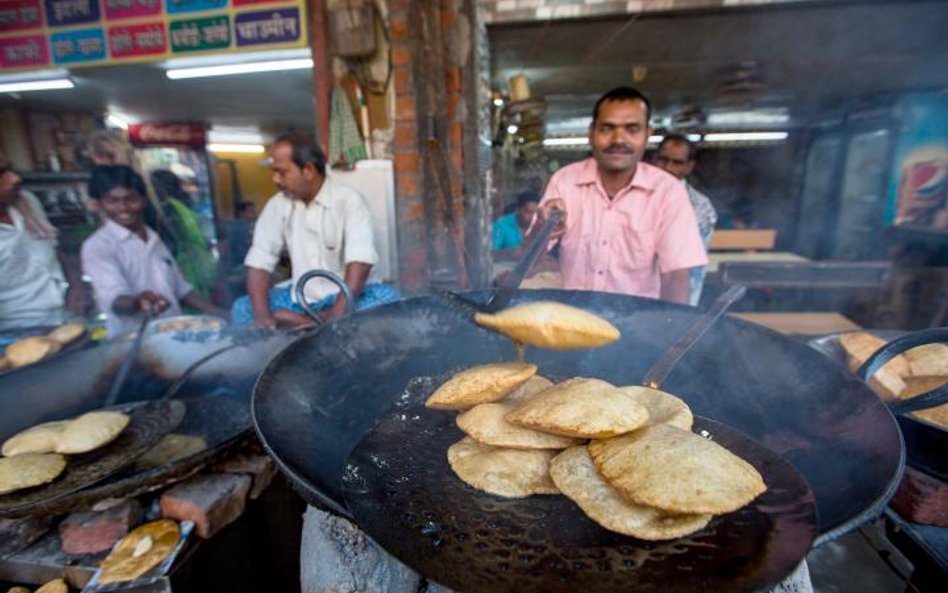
{"points": [[131, 270], [629, 226]]}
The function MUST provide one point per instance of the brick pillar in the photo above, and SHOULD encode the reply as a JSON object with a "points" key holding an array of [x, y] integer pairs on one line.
{"points": [[436, 174], [322, 69]]}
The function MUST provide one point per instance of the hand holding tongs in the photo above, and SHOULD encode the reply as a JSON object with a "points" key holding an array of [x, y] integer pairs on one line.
{"points": [[509, 285]]}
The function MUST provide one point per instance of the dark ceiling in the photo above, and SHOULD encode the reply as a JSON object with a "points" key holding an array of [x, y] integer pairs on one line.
{"points": [[808, 57]]}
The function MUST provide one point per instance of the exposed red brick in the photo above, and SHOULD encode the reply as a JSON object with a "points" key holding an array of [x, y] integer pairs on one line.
{"points": [[260, 468], [921, 499], [398, 28], [452, 77], [457, 187], [406, 136], [401, 54], [456, 135], [448, 18], [405, 108], [402, 76], [406, 161], [212, 501], [96, 531], [457, 159], [415, 212], [453, 101], [407, 184]]}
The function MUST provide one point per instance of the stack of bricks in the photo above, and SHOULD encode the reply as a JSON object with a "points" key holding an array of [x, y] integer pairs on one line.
{"points": [[510, 11]]}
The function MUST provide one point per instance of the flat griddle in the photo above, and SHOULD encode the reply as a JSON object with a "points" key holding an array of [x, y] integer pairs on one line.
{"points": [[149, 422], [222, 423]]}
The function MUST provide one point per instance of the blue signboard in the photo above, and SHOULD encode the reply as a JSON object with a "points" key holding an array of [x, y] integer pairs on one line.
{"points": [[185, 6], [76, 47]]}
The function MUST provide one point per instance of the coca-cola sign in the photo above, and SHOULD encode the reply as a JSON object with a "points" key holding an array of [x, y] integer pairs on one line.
{"points": [[164, 134]]}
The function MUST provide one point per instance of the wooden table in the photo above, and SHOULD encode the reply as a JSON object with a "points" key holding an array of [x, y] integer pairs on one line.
{"points": [[808, 323], [716, 258]]}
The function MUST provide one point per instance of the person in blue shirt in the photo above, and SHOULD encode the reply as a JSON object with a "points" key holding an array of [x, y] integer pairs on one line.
{"points": [[508, 230]]}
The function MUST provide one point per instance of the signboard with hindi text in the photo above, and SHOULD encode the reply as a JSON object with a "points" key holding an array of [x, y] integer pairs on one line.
{"points": [[40, 34]]}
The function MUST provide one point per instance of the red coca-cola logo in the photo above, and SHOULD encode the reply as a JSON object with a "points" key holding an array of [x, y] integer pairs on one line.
{"points": [[165, 133]]}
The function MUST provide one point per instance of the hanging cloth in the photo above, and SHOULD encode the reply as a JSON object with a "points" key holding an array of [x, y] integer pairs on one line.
{"points": [[345, 142]]}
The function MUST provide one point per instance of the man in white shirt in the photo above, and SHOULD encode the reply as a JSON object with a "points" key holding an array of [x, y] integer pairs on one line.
{"points": [[323, 225], [33, 290], [676, 154], [131, 270]]}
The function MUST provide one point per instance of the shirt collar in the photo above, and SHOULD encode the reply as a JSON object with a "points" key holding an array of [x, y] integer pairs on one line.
{"points": [[123, 234], [322, 198], [645, 177]]}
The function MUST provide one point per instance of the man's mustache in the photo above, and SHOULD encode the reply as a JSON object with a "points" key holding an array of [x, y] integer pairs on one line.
{"points": [[619, 148]]}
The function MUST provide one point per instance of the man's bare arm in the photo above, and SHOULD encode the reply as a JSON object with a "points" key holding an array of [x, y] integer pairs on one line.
{"points": [[676, 286], [357, 274], [258, 289]]}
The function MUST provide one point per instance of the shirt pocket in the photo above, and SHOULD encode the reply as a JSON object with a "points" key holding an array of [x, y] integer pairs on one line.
{"points": [[638, 245]]}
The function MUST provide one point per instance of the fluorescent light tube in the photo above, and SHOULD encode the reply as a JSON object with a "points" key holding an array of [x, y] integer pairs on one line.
{"points": [[36, 85], [745, 136], [247, 148], [569, 141], [116, 121], [241, 68]]}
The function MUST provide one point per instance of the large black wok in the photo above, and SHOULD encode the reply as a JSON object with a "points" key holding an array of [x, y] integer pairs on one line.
{"points": [[318, 396]]}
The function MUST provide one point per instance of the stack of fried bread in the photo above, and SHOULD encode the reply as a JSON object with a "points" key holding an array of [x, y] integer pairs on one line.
{"points": [[625, 455], [36, 348], [916, 371], [35, 456]]}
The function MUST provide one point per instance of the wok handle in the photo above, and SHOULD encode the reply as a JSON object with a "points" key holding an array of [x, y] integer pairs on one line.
{"points": [[301, 293], [933, 398], [666, 363]]}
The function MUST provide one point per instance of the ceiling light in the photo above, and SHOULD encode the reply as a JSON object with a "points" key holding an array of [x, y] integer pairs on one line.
{"points": [[116, 121], [498, 102], [655, 139], [49, 84], [235, 135], [244, 148], [569, 141], [512, 129], [240, 68], [762, 117], [746, 137]]}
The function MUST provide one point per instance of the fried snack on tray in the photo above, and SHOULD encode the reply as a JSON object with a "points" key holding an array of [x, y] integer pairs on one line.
{"points": [[140, 551]]}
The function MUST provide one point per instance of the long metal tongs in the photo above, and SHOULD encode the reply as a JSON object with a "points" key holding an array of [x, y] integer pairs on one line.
{"points": [[505, 291], [119, 381], [667, 361]]}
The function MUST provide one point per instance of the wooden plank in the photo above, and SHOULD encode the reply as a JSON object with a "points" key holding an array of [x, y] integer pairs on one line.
{"points": [[743, 239], [809, 323], [716, 259]]}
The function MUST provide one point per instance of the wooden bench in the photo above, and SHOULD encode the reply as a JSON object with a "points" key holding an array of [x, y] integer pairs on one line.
{"points": [[743, 239]]}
